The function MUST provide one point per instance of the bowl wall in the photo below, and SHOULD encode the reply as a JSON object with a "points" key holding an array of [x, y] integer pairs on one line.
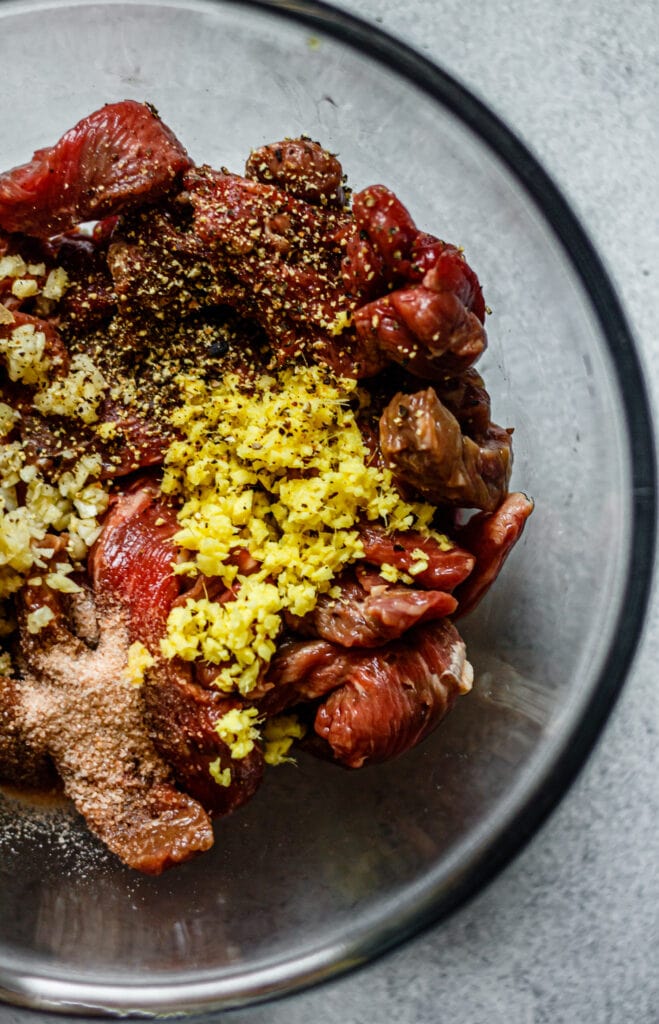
{"points": [[325, 867]]}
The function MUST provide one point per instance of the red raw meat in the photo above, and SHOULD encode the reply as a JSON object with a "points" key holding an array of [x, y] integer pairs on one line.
{"points": [[132, 560], [445, 568], [381, 702], [370, 616], [491, 536], [392, 698], [120, 156]]}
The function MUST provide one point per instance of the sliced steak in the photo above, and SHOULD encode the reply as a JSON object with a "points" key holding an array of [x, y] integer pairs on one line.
{"points": [[491, 537], [392, 698], [370, 618], [448, 564], [118, 157], [423, 445]]}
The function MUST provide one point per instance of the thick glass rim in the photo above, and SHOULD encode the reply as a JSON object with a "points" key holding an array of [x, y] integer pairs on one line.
{"points": [[393, 928]]}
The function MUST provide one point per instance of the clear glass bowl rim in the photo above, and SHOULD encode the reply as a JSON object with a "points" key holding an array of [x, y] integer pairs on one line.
{"points": [[404, 922]]}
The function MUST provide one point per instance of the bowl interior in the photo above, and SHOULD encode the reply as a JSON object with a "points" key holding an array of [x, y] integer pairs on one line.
{"points": [[324, 866]]}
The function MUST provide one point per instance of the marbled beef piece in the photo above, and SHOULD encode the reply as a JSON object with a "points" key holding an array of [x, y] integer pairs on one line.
{"points": [[392, 698], [370, 617], [490, 537], [423, 445], [160, 267], [448, 564], [117, 158], [300, 166]]}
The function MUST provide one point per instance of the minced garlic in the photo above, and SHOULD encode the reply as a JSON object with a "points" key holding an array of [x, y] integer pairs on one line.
{"points": [[24, 288], [24, 350], [26, 277], [77, 395], [275, 465], [8, 418], [12, 265], [56, 284], [73, 504]]}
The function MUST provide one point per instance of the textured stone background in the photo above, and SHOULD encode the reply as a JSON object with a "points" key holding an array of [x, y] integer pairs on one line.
{"points": [[570, 931]]}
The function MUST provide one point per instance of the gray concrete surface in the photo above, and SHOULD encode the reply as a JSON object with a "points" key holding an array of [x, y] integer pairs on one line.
{"points": [[570, 931]]}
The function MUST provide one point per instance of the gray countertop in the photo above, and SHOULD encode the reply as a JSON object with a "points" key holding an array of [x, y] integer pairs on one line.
{"points": [[570, 930]]}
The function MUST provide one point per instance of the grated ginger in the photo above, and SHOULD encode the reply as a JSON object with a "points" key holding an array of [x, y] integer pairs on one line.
{"points": [[279, 734], [237, 728], [275, 465], [140, 660]]}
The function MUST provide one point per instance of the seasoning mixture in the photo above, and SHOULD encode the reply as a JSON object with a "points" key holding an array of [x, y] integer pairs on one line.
{"points": [[248, 476]]}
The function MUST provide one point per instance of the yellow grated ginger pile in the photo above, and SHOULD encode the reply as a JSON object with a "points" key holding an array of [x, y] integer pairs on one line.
{"points": [[275, 465]]}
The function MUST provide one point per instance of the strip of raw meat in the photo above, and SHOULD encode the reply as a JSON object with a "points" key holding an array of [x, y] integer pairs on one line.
{"points": [[432, 334], [301, 167], [423, 445], [132, 560], [183, 718], [447, 567], [403, 254], [370, 618], [426, 307], [491, 538], [467, 398], [118, 157], [301, 670], [392, 698]]}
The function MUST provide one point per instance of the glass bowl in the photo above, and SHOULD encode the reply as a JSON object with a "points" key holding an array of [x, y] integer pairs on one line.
{"points": [[326, 868]]}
